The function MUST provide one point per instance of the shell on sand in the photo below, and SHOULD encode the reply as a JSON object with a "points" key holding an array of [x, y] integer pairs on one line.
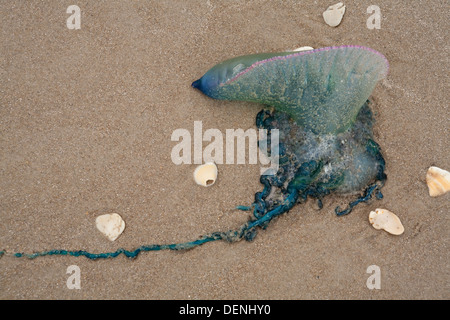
{"points": [[305, 48], [206, 174], [438, 181], [386, 220], [333, 15], [111, 225]]}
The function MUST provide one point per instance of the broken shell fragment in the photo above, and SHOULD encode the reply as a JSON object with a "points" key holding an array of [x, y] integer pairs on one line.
{"points": [[438, 181], [386, 220], [111, 225], [333, 15], [206, 174], [306, 48]]}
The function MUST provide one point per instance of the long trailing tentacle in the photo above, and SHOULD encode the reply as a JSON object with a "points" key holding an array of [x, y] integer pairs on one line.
{"points": [[262, 215], [247, 231], [303, 183]]}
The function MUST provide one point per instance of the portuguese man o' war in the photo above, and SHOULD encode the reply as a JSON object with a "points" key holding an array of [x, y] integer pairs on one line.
{"points": [[319, 102]]}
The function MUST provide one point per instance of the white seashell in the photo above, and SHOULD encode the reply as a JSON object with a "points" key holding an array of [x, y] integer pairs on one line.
{"points": [[306, 48], [333, 15], [386, 220], [111, 225], [438, 181], [206, 174]]}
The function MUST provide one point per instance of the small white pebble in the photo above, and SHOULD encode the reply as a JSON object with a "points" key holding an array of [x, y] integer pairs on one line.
{"points": [[111, 225]]}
